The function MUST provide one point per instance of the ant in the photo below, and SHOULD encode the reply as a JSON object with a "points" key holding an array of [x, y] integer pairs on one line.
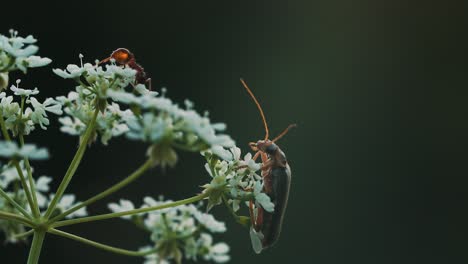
{"points": [[123, 56], [276, 174]]}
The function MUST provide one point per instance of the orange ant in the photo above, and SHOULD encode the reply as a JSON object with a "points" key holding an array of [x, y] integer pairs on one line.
{"points": [[123, 56]]}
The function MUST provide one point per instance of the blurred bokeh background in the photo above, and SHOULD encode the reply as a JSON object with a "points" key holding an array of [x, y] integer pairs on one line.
{"points": [[378, 89]]}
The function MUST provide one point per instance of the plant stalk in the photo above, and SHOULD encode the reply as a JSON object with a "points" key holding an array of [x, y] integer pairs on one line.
{"points": [[16, 218], [6, 136], [116, 250], [131, 212], [36, 247], [135, 175], [15, 204], [26, 189], [73, 165], [32, 184]]}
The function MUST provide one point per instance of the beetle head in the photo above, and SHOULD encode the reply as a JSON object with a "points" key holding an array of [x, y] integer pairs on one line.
{"points": [[266, 146]]}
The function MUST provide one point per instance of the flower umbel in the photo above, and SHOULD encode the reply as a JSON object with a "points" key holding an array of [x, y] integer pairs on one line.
{"points": [[178, 233]]}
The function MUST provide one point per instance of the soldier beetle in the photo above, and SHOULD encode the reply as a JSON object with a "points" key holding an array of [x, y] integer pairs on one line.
{"points": [[276, 173]]}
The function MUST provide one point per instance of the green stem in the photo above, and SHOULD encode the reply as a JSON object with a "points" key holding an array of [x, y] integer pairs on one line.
{"points": [[3, 127], [73, 165], [244, 198], [135, 175], [102, 246], [36, 247], [15, 204], [32, 184], [16, 218], [24, 234], [239, 219], [130, 212], [26, 189]]}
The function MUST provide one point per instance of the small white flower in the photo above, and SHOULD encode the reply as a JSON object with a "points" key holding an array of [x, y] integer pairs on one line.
{"points": [[122, 206], [221, 152], [153, 258], [141, 89], [262, 198], [217, 253], [23, 92], [36, 61], [251, 164], [210, 222], [9, 174], [42, 186], [39, 115], [70, 98], [11, 150], [149, 128], [68, 201], [42, 183], [49, 105], [72, 71], [219, 126], [236, 153], [123, 97], [71, 126]]}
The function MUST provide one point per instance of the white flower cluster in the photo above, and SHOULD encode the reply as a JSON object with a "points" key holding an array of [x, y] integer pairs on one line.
{"points": [[17, 53], [98, 79], [9, 182], [140, 114], [94, 82], [178, 232], [78, 110], [12, 151], [23, 116], [236, 181]]}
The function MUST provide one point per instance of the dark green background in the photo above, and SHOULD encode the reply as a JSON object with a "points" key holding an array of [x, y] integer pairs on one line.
{"points": [[378, 89]]}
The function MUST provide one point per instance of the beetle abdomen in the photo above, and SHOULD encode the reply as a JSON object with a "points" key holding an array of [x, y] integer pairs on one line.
{"points": [[280, 184]]}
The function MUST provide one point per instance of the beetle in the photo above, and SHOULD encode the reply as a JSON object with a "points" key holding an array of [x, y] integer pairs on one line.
{"points": [[276, 173], [123, 56]]}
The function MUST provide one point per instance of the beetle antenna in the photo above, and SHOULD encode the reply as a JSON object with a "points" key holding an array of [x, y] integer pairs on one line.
{"points": [[258, 106], [284, 132]]}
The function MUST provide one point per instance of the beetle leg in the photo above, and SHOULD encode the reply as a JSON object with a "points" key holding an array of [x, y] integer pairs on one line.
{"points": [[257, 220], [266, 162], [255, 157], [264, 157], [252, 215]]}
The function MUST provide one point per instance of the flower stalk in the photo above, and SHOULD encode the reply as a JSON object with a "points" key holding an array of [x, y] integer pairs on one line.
{"points": [[130, 212], [16, 218], [112, 249], [132, 177], [32, 185], [15, 204], [73, 165], [32, 205]]}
